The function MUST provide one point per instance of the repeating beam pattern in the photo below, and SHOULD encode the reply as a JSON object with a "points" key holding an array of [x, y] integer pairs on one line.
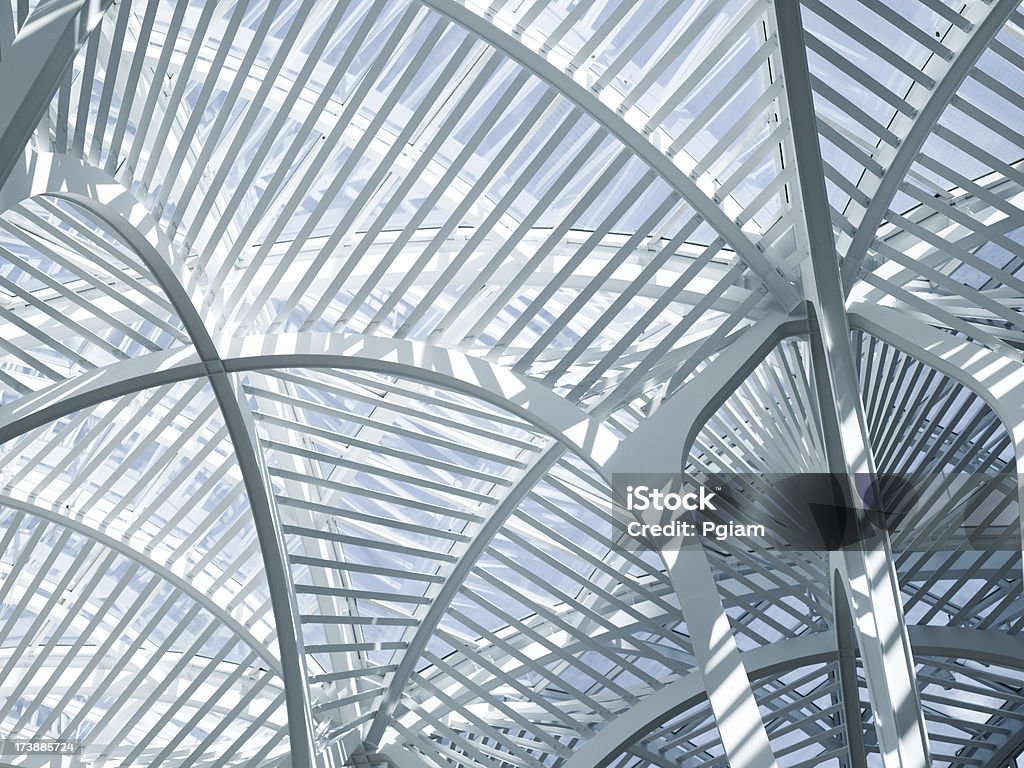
{"points": [[324, 327]]}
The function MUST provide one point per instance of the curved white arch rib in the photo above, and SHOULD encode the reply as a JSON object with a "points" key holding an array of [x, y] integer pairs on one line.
{"points": [[742, 729], [675, 176], [997, 379], [953, 642]]}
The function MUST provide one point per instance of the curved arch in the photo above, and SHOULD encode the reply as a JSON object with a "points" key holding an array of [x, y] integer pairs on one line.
{"points": [[519, 395], [178, 582], [567, 423], [953, 642], [533, 402], [997, 379], [572, 427], [631, 138]]}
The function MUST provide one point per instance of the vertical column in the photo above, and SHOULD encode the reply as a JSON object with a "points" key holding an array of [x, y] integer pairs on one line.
{"points": [[865, 567]]}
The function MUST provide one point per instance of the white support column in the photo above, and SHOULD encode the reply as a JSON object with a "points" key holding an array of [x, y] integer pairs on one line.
{"points": [[661, 444], [866, 566]]}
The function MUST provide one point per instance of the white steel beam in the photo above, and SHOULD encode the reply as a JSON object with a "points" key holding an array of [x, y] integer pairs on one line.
{"points": [[633, 139], [453, 582], [867, 565], [661, 443], [562, 420], [566, 422], [32, 66], [529, 400], [988, 19], [988, 646]]}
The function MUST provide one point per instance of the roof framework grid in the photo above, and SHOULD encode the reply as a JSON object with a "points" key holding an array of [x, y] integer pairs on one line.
{"points": [[325, 328]]}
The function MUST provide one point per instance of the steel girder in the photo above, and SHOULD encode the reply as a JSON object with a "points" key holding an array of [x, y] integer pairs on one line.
{"points": [[998, 379], [572, 426], [866, 569]]}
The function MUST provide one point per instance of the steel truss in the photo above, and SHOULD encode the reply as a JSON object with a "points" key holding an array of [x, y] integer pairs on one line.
{"points": [[316, 369]]}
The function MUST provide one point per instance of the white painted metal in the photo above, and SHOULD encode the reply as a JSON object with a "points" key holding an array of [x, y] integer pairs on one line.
{"points": [[864, 571], [523, 248]]}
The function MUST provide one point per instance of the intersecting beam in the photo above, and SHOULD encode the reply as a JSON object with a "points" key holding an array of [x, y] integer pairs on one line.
{"points": [[564, 421], [31, 68], [661, 444], [997, 379], [987, 646], [988, 19], [866, 566], [631, 138], [106, 200]]}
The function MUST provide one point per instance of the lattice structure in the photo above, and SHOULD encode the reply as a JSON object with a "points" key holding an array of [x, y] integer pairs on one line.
{"points": [[326, 326]]}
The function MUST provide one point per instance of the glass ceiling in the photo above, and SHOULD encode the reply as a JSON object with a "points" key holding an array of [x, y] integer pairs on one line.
{"points": [[324, 325]]}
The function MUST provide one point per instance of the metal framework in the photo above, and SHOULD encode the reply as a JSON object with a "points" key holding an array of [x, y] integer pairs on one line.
{"points": [[326, 327]]}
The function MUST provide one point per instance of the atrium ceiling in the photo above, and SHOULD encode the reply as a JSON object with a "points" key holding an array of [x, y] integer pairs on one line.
{"points": [[325, 326]]}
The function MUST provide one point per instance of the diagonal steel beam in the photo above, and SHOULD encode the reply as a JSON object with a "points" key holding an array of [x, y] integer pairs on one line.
{"points": [[988, 19], [867, 566], [114, 206], [453, 582], [634, 140], [32, 66], [572, 427]]}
